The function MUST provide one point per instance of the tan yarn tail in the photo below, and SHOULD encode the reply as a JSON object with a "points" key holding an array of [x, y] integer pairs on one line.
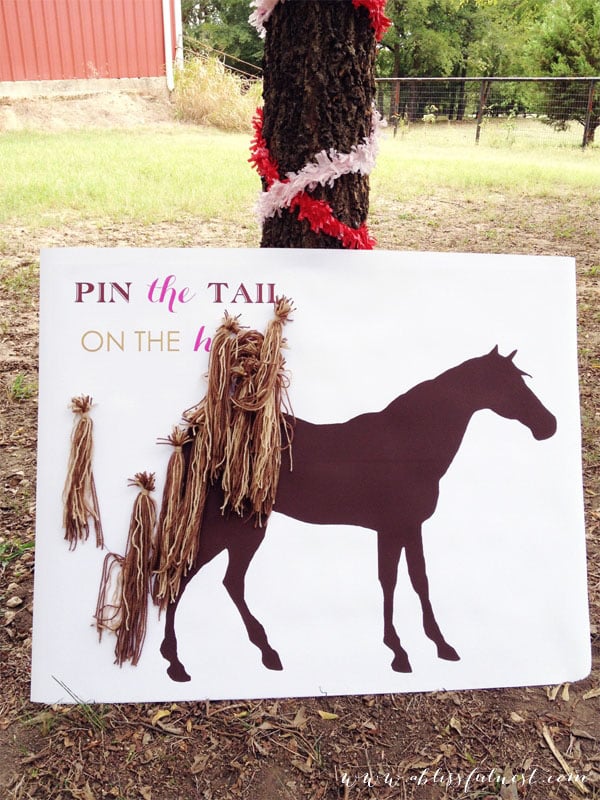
{"points": [[80, 501]]}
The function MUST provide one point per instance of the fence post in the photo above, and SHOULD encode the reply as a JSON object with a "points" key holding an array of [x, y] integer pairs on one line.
{"points": [[485, 88], [396, 114], [588, 115]]}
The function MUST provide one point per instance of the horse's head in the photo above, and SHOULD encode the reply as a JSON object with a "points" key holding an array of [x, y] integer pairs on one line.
{"points": [[507, 394]]}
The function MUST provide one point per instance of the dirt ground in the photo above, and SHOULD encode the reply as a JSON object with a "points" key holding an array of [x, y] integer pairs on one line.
{"points": [[419, 746]]}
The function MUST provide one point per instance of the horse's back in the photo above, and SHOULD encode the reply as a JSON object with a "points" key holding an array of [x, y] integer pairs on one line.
{"points": [[354, 473]]}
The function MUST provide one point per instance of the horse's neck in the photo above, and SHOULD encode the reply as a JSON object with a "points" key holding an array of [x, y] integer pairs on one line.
{"points": [[438, 412]]}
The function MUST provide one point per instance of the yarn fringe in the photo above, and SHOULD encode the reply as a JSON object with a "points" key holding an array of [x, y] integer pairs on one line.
{"points": [[80, 501], [170, 507], [237, 433], [128, 578]]}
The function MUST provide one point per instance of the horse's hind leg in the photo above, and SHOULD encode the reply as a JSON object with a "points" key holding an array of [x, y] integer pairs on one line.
{"points": [[415, 560], [242, 548]]}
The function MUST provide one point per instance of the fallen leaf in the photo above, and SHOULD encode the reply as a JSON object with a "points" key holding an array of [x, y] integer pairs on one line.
{"points": [[300, 719], [199, 764], [83, 794], [303, 766], [562, 761], [425, 764], [592, 693], [516, 717], [262, 749], [508, 790], [146, 792], [565, 693], [14, 602], [170, 728], [582, 734], [455, 724], [327, 714], [160, 714]]}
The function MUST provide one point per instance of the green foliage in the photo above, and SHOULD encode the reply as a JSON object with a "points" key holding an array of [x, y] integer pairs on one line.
{"points": [[446, 37], [21, 388], [566, 42], [207, 93], [223, 24]]}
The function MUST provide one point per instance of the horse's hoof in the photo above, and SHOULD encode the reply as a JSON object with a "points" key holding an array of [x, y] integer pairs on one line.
{"points": [[177, 673], [271, 660], [447, 652], [401, 663]]}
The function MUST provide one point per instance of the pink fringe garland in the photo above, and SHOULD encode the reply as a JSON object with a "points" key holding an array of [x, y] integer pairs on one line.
{"points": [[264, 8], [289, 192], [323, 171]]}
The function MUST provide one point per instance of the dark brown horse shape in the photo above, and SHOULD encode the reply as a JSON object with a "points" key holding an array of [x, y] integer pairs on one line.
{"points": [[380, 471]]}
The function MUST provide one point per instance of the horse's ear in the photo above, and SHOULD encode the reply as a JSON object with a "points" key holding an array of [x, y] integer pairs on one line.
{"points": [[512, 355], [494, 351]]}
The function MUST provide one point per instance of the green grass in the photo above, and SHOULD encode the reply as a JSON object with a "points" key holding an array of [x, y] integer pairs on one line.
{"points": [[11, 550], [152, 176], [148, 176], [21, 388], [411, 167]]}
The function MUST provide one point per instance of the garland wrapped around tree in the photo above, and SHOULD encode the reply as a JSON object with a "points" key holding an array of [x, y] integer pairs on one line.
{"points": [[318, 116]]}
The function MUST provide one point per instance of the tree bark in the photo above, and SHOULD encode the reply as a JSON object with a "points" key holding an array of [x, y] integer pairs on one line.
{"points": [[318, 94]]}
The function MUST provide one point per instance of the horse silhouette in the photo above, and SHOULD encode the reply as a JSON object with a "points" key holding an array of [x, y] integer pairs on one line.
{"points": [[380, 471]]}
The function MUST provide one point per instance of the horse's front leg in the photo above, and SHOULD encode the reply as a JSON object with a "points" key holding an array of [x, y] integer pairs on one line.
{"points": [[389, 549], [415, 560], [242, 548], [168, 649]]}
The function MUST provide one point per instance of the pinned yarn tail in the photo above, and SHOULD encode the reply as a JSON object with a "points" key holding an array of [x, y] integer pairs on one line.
{"points": [[128, 577], [80, 501], [269, 423], [169, 513], [238, 429]]}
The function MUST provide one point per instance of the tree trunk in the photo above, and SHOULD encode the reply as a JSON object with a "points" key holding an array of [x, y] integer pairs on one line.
{"points": [[318, 94]]}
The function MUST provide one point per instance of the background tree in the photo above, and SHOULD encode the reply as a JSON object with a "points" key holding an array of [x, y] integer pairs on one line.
{"points": [[565, 43], [318, 94], [435, 38], [223, 25]]}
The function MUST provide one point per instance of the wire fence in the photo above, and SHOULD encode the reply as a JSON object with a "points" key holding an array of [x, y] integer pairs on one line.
{"points": [[562, 112]]}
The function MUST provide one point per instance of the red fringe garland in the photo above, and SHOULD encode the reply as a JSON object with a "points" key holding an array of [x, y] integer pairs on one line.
{"points": [[318, 213], [379, 21]]}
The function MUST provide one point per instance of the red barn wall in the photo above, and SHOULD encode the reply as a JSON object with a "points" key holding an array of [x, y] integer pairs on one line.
{"points": [[75, 39]]}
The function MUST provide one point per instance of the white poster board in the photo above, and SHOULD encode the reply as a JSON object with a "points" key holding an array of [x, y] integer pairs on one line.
{"points": [[504, 549]]}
